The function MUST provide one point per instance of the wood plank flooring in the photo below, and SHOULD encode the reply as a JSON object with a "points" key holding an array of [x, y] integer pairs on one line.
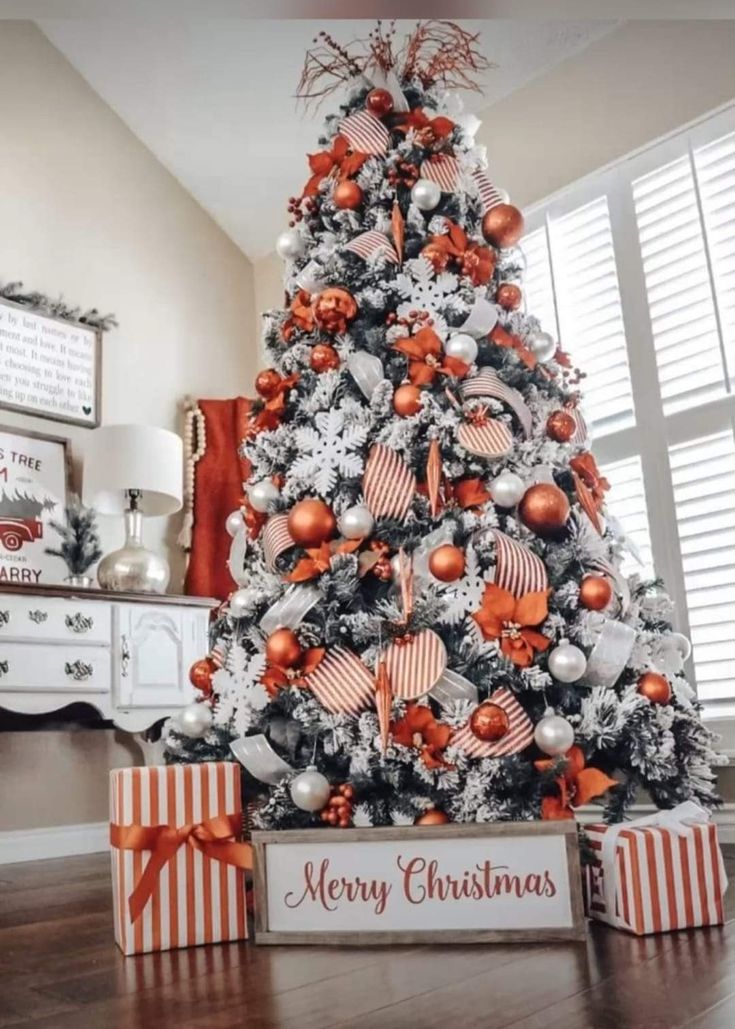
{"points": [[60, 969]]}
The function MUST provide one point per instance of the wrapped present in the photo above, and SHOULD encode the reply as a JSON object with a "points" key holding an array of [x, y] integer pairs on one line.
{"points": [[657, 873], [178, 863]]}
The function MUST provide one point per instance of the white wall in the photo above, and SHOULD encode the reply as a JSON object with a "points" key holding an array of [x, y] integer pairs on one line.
{"points": [[88, 213]]}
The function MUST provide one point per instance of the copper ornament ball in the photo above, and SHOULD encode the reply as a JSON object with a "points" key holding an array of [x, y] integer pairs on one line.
{"points": [[283, 648], [489, 722], [311, 522], [347, 195], [560, 426], [654, 687], [200, 675], [502, 225], [509, 296], [407, 400], [544, 509], [324, 358], [447, 562], [267, 382], [379, 102], [595, 592], [432, 817]]}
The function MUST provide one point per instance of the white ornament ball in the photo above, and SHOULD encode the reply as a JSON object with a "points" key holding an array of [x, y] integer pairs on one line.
{"points": [[356, 523], [508, 489], [426, 195], [462, 346], [542, 346], [264, 496], [682, 644], [241, 601], [310, 790], [234, 523], [195, 720], [553, 734], [567, 663], [289, 245]]}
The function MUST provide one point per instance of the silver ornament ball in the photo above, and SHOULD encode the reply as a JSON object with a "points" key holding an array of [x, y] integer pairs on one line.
{"points": [[241, 601], [567, 663], [264, 496], [426, 195], [356, 522], [507, 489], [234, 523], [310, 790], [682, 644], [553, 734], [195, 720], [462, 346], [542, 346], [289, 245]]}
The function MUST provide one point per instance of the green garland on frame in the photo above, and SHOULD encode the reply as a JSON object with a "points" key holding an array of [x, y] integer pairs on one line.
{"points": [[44, 305]]}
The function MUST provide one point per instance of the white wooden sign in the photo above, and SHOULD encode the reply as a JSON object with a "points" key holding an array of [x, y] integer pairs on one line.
{"points": [[48, 366], [448, 883]]}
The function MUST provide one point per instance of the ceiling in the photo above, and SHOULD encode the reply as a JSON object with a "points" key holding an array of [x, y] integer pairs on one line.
{"points": [[213, 98]]}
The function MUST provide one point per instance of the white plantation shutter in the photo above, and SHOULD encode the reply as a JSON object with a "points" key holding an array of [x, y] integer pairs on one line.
{"points": [[627, 501], [538, 286], [640, 260], [590, 313], [703, 475]]}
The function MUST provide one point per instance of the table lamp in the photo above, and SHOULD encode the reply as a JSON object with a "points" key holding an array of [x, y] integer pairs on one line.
{"points": [[133, 470]]}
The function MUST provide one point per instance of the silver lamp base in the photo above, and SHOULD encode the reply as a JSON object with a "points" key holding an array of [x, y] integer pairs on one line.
{"points": [[132, 568]]}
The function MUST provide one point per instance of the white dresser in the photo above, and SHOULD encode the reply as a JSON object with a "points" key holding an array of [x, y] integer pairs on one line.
{"points": [[126, 654]]}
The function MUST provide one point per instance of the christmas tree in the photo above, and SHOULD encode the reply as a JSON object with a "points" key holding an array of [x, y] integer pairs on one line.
{"points": [[431, 624]]}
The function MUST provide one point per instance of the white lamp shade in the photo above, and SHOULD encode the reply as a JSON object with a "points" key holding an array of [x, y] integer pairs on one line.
{"points": [[119, 458]]}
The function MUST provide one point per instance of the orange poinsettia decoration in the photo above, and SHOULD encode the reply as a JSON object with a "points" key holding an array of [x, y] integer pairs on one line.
{"points": [[502, 617], [577, 785], [277, 677], [428, 130], [301, 316], [474, 260], [418, 728], [585, 466], [267, 416], [426, 358], [320, 558], [502, 338], [341, 159]]}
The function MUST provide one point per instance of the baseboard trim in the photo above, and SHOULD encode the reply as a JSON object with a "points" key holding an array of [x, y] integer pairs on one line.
{"points": [[53, 842]]}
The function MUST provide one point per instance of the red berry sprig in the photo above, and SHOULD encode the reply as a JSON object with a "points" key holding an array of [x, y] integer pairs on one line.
{"points": [[339, 808]]}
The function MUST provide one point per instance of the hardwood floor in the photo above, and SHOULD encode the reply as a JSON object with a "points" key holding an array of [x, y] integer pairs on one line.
{"points": [[60, 969]]}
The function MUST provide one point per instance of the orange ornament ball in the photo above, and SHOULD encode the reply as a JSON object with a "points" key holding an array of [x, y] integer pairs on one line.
{"points": [[407, 400], [267, 382], [283, 648], [200, 675], [489, 722], [544, 509], [595, 592], [447, 562], [311, 522], [509, 296], [654, 687], [347, 195], [379, 102], [434, 816], [324, 358], [333, 309], [502, 225], [560, 426]]}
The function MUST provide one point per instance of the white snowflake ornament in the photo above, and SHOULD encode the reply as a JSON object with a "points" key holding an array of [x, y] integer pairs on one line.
{"points": [[424, 291], [464, 597], [327, 451], [239, 688]]}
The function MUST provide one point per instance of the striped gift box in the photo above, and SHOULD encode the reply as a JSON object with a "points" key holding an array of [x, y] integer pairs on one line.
{"points": [[196, 899], [654, 878]]}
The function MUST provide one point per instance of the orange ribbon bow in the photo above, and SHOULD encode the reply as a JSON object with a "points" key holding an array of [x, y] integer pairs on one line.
{"points": [[426, 359], [215, 838], [341, 158], [474, 260], [502, 338]]}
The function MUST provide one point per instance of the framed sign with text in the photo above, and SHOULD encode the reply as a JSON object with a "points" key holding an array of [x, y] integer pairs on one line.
{"points": [[478, 883], [49, 367]]}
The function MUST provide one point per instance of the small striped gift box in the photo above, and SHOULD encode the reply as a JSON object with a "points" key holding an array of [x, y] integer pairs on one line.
{"points": [[178, 863], [657, 874]]}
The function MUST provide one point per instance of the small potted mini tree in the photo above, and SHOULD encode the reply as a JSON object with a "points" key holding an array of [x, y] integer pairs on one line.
{"points": [[80, 542]]}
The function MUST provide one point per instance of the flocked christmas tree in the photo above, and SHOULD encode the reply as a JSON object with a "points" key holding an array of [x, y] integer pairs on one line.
{"points": [[431, 608]]}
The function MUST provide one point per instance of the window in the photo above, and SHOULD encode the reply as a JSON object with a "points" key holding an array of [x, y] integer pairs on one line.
{"points": [[634, 267]]}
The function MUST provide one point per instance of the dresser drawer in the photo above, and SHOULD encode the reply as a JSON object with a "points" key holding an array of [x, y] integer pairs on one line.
{"points": [[58, 667], [53, 619]]}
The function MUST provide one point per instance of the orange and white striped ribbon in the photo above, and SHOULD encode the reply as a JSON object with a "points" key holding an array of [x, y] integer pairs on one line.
{"points": [[388, 483], [444, 171], [276, 539], [416, 664], [372, 242], [517, 738], [342, 683], [489, 439], [487, 383], [196, 899], [365, 133], [489, 195], [517, 568]]}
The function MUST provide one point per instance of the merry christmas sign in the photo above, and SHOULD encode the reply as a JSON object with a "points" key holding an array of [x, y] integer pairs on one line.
{"points": [[431, 884]]}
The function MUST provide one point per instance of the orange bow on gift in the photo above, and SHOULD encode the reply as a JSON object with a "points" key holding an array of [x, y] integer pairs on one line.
{"points": [[340, 158], [215, 838]]}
